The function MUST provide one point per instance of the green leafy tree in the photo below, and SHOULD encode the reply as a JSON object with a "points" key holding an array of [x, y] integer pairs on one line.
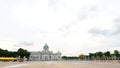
{"points": [[27, 54], [21, 52], [107, 55], [116, 53], [100, 55], [1, 52], [92, 56], [64, 57]]}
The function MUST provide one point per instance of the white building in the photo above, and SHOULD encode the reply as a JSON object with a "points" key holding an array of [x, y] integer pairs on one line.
{"points": [[44, 55]]}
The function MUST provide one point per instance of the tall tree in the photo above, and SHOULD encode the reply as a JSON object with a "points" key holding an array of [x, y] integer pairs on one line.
{"points": [[27, 54], [91, 55], [100, 55], [1, 52], [107, 55], [21, 52], [116, 53]]}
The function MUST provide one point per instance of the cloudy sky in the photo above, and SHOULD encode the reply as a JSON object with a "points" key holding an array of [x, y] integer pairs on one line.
{"points": [[72, 27]]}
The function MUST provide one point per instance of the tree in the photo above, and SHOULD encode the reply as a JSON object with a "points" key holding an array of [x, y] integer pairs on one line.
{"points": [[27, 54], [64, 57], [100, 55], [116, 53], [15, 54], [107, 55], [91, 56], [70, 58], [21, 52], [1, 52]]}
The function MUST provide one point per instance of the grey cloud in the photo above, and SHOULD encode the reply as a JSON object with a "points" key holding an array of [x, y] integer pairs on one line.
{"points": [[82, 15], [87, 12], [66, 28], [98, 31], [23, 44], [117, 20], [117, 26], [104, 32], [53, 4], [112, 43], [43, 31]]}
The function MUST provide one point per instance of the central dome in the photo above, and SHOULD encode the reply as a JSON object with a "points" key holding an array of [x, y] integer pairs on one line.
{"points": [[46, 47]]}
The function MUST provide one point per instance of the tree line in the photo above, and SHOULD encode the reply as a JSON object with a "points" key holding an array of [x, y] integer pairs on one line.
{"points": [[70, 57], [96, 56], [105, 55], [19, 53]]}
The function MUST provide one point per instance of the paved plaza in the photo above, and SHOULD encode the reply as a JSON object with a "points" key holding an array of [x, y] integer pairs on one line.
{"points": [[59, 64]]}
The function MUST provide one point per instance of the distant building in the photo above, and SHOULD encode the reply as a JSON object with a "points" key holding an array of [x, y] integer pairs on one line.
{"points": [[44, 55]]}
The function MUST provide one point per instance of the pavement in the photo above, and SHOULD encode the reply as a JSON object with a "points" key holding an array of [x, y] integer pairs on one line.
{"points": [[59, 64]]}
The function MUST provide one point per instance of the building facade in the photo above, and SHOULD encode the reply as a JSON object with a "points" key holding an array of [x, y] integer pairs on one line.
{"points": [[44, 55]]}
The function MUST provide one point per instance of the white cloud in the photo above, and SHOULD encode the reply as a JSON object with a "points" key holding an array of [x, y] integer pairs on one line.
{"points": [[66, 25]]}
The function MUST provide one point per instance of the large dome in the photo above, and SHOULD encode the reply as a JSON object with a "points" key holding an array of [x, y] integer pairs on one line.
{"points": [[46, 47]]}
